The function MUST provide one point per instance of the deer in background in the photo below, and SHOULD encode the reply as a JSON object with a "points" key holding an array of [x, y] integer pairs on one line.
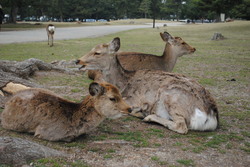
{"points": [[172, 100], [175, 47], [53, 118], [50, 32], [131, 61]]}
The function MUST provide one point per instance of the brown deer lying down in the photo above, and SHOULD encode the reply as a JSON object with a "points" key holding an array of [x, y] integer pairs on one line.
{"points": [[131, 61], [50, 32], [175, 47], [173, 100], [53, 118]]}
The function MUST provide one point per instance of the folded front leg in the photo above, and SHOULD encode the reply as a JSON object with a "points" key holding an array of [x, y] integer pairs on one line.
{"points": [[178, 125]]}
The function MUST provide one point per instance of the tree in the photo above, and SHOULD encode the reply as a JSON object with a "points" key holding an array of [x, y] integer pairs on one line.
{"points": [[145, 7], [113, 9], [155, 9], [241, 10], [216, 7]]}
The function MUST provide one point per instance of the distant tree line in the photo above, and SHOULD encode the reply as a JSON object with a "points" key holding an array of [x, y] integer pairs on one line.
{"points": [[121, 9]]}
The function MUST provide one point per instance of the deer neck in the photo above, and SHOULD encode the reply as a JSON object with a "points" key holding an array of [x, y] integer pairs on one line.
{"points": [[170, 56], [116, 75], [84, 116]]}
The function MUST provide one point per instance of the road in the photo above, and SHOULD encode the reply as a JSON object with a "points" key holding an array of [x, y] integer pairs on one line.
{"points": [[7, 37]]}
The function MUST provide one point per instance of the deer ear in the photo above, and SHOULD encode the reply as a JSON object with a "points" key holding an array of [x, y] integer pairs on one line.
{"points": [[115, 44], [166, 37], [95, 89]]}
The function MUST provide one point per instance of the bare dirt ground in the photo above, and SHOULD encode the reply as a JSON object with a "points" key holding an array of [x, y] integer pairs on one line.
{"points": [[130, 142]]}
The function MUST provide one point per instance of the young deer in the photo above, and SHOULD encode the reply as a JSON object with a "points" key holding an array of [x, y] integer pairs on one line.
{"points": [[172, 100], [131, 61], [53, 118], [50, 32]]}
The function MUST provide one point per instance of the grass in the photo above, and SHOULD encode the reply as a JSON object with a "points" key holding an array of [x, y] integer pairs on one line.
{"points": [[186, 162], [158, 160], [58, 162], [214, 65]]}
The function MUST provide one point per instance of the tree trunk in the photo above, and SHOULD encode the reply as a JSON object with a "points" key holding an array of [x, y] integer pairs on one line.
{"points": [[154, 22], [18, 152], [218, 36], [13, 14], [20, 72]]}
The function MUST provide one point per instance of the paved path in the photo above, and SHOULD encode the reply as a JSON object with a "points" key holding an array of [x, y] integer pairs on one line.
{"points": [[68, 33]]}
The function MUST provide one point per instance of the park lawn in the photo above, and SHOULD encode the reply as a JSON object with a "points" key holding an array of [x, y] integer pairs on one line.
{"points": [[223, 67]]}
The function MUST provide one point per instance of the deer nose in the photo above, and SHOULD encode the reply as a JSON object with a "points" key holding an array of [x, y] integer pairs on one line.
{"points": [[130, 110], [194, 49], [77, 61]]}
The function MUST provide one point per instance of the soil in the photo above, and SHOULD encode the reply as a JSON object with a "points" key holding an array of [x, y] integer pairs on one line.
{"points": [[130, 142]]}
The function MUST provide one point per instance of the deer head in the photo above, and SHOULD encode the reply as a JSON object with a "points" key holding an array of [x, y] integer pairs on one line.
{"points": [[108, 100], [98, 57], [177, 43]]}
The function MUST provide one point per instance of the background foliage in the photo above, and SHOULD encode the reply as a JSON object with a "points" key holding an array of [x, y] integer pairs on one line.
{"points": [[65, 10]]}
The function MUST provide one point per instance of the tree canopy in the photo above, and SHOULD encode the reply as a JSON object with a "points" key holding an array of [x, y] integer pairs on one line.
{"points": [[69, 10]]}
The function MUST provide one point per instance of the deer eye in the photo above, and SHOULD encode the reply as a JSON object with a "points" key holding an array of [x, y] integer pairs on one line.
{"points": [[97, 53], [112, 99]]}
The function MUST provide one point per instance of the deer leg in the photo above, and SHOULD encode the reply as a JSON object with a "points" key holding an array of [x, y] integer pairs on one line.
{"points": [[137, 112], [52, 38], [178, 125], [48, 39]]}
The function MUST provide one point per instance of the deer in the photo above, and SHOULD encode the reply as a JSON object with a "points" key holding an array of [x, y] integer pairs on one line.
{"points": [[170, 99], [175, 47], [53, 118], [50, 33]]}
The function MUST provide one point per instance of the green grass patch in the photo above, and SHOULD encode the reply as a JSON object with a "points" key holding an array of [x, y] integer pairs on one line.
{"points": [[2, 165], [108, 156], [155, 132], [201, 141], [246, 147], [157, 160], [217, 140], [207, 81], [94, 149], [245, 134], [129, 136], [111, 151], [75, 90], [75, 144], [178, 144], [186, 162], [100, 137], [58, 162], [130, 118]]}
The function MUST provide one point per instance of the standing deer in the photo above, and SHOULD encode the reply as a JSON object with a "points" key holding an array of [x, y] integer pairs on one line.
{"points": [[172, 100], [131, 61], [50, 32], [53, 118]]}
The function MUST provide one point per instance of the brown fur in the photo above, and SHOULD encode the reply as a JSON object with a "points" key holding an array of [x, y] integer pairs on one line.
{"points": [[53, 118], [173, 100], [175, 47]]}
